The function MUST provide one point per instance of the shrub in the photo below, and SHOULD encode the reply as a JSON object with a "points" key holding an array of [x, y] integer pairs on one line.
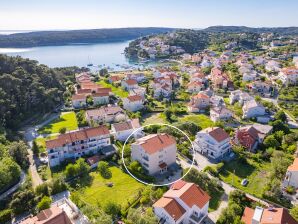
{"points": [[290, 190], [44, 203], [5, 215]]}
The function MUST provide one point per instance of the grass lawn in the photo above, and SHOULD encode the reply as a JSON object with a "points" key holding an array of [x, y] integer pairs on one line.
{"points": [[41, 142], [200, 119], [98, 193], [116, 90], [255, 172], [153, 118], [67, 120]]}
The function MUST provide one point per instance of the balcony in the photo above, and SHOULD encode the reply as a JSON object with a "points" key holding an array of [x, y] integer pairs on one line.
{"points": [[197, 218], [145, 158]]}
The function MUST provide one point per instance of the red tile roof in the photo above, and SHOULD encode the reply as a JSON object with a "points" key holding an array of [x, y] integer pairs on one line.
{"points": [[277, 216], [294, 166], [189, 193], [172, 207], [131, 82], [134, 98], [201, 96], [77, 136], [155, 142], [53, 215], [78, 97], [247, 136], [218, 133], [247, 215]]}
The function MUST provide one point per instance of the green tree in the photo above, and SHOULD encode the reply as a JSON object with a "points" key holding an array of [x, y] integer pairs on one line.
{"points": [[35, 148], [270, 141], [62, 130], [104, 170], [44, 203], [138, 216], [280, 115], [294, 212], [57, 185], [22, 201], [112, 209], [19, 152]]}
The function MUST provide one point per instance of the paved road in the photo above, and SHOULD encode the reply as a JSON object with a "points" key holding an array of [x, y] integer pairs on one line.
{"points": [[30, 133], [15, 187]]}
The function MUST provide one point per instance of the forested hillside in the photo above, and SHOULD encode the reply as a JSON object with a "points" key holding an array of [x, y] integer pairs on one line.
{"points": [[27, 88], [50, 38]]}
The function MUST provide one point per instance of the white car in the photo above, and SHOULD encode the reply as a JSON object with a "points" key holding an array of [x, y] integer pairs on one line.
{"points": [[244, 182]]}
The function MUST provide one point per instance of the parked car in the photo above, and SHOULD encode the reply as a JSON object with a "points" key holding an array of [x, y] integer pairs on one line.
{"points": [[244, 182]]}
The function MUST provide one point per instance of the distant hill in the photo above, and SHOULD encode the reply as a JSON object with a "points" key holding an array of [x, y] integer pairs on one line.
{"points": [[52, 38], [244, 29]]}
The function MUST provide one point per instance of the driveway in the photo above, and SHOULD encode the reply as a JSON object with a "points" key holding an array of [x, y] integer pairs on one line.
{"points": [[30, 133]]}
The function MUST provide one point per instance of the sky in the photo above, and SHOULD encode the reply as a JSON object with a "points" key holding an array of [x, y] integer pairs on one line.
{"points": [[89, 14]]}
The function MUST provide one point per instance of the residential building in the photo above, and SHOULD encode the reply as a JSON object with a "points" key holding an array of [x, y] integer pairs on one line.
{"points": [[269, 215], [133, 103], [252, 109], [139, 77], [129, 84], [272, 66], [121, 131], [195, 86], [183, 203], [262, 87], [83, 77], [100, 98], [75, 144], [239, 96], [249, 76], [250, 136], [52, 215], [199, 102], [213, 142], [155, 152], [289, 76], [220, 113], [106, 114], [291, 178], [113, 79], [79, 100], [141, 91]]}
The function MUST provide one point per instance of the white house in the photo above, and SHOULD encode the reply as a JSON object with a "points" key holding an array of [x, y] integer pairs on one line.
{"points": [[100, 98], [155, 152], [272, 66], [78, 100], [213, 142], [199, 102], [141, 91], [288, 75], [249, 76], [182, 203], [195, 86], [121, 131], [291, 178], [107, 114], [75, 144], [129, 84], [220, 113], [240, 96], [252, 108], [139, 77], [133, 103]]}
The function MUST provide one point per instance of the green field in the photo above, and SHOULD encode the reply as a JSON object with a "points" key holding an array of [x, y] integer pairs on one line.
{"points": [[153, 118], [200, 119], [98, 193], [255, 172], [67, 120], [116, 90]]}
